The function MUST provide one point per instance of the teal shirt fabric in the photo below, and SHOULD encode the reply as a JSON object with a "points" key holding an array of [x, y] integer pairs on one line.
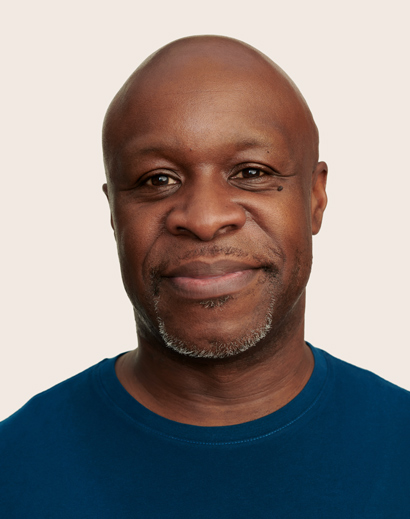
{"points": [[87, 449]]}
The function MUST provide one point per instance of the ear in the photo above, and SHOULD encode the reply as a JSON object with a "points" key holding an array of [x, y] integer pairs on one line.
{"points": [[105, 189], [319, 196]]}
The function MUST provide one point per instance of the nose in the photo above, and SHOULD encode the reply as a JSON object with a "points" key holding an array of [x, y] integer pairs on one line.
{"points": [[205, 210]]}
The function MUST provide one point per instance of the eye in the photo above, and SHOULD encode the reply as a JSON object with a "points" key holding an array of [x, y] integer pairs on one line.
{"points": [[161, 180], [250, 173], [255, 177]]}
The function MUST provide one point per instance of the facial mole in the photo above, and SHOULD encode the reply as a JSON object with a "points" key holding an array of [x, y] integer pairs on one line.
{"points": [[280, 188]]}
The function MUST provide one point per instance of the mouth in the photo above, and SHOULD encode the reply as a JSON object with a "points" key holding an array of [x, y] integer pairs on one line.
{"points": [[199, 280]]}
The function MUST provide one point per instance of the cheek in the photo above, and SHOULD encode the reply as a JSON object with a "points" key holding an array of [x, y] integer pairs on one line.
{"points": [[134, 236], [285, 218], [297, 214], [292, 230], [136, 225]]}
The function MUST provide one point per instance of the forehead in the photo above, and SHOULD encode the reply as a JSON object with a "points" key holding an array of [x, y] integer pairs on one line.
{"points": [[224, 112], [205, 104], [194, 118]]}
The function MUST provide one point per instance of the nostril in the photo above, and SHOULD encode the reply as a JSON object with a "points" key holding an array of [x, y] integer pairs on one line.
{"points": [[204, 213]]}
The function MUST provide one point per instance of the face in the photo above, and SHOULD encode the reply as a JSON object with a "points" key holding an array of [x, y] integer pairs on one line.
{"points": [[214, 197]]}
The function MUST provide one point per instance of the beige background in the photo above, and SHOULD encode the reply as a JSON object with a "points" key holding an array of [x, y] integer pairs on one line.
{"points": [[63, 307]]}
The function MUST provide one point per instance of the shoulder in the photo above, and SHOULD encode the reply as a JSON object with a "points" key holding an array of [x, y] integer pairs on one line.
{"points": [[48, 410], [364, 393], [351, 374], [48, 437]]}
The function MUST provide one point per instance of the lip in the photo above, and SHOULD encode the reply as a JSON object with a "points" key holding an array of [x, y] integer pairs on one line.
{"points": [[201, 280], [200, 268]]}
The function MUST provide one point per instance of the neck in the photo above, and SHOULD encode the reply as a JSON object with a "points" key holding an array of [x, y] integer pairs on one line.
{"points": [[210, 392]]}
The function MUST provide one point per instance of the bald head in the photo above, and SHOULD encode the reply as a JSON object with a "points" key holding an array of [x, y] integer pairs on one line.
{"points": [[200, 67]]}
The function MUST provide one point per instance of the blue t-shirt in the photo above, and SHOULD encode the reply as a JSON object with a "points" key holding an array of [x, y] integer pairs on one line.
{"points": [[87, 449]]}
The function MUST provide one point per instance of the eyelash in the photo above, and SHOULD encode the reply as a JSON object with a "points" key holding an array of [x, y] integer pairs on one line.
{"points": [[157, 176], [172, 181], [251, 168]]}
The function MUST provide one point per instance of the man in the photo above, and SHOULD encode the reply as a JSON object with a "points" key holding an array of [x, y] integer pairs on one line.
{"points": [[215, 191]]}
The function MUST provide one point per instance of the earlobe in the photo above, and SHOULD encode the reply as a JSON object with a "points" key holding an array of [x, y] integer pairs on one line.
{"points": [[319, 196]]}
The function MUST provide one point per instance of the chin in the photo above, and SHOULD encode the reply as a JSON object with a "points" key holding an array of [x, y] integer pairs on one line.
{"points": [[214, 345]]}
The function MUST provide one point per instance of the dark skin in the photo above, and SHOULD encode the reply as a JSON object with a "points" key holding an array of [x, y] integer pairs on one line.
{"points": [[215, 190]]}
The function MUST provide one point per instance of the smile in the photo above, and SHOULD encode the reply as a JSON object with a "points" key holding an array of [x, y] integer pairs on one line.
{"points": [[199, 280]]}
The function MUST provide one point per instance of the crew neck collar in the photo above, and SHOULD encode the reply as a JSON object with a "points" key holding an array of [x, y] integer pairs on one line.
{"points": [[274, 423]]}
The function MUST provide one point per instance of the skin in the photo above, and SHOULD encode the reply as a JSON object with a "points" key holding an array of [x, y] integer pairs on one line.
{"points": [[211, 156]]}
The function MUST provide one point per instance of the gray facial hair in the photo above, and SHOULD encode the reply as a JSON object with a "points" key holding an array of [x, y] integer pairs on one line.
{"points": [[217, 349]]}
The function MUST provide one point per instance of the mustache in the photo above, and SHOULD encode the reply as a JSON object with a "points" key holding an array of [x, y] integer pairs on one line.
{"points": [[211, 251]]}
